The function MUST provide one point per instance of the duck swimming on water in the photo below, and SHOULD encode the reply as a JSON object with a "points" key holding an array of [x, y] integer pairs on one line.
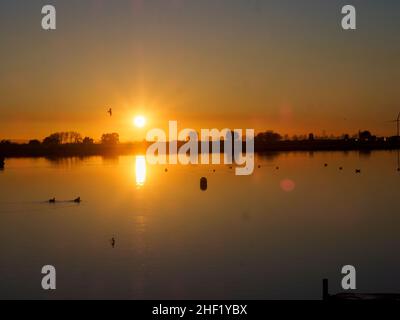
{"points": [[77, 200], [112, 241], [53, 200]]}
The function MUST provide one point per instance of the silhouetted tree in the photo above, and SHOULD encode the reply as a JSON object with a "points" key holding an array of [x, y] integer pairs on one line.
{"points": [[73, 137], [110, 138], [34, 142], [268, 136], [87, 140], [54, 138], [346, 137], [63, 137], [366, 136], [70, 137]]}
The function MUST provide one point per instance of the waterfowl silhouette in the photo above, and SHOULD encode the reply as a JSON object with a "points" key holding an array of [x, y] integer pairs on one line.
{"points": [[53, 200], [340, 168], [77, 200], [110, 112], [325, 165], [112, 241], [358, 170]]}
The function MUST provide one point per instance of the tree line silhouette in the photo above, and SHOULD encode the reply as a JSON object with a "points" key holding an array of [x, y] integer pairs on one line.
{"points": [[72, 137], [72, 143]]}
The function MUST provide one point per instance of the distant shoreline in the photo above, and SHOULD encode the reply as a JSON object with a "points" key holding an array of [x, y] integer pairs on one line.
{"points": [[83, 150]]}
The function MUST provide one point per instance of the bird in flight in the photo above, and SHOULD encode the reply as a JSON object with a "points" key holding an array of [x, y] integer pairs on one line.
{"points": [[110, 112]]}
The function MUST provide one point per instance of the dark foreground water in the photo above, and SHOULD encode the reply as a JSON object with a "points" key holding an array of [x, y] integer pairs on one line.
{"points": [[274, 234]]}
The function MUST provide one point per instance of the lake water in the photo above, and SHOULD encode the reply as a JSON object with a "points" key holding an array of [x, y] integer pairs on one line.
{"points": [[275, 234]]}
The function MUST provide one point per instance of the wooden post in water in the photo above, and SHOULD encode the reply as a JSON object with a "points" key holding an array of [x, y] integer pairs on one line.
{"points": [[325, 289]]}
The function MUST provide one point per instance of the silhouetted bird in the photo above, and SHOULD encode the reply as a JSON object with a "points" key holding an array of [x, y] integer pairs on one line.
{"points": [[52, 200], [112, 241], [77, 200], [325, 165], [340, 168], [277, 168], [109, 112], [166, 170], [358, 170], [259, 166]]}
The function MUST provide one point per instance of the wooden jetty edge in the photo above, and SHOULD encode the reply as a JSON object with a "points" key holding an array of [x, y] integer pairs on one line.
{"points": [[346, 296]]}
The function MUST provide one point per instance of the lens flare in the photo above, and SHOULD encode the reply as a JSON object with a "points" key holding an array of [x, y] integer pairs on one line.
{"points": [[287, 185]]}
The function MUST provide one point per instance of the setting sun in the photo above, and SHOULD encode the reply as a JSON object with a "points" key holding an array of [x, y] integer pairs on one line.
{"points": [[139, 121]]}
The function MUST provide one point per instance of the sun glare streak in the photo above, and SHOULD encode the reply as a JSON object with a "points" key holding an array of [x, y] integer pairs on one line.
{"points": [[140, 170]]}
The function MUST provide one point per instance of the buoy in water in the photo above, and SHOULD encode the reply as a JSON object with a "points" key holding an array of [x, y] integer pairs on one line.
{"points": [[203, 184]]}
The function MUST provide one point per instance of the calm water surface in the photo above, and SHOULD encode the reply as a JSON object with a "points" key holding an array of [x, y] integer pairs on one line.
{"points": [[271, 235]]}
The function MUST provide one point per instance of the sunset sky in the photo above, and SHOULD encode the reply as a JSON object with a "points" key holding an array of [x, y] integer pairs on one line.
{"points": [[263, 64]]}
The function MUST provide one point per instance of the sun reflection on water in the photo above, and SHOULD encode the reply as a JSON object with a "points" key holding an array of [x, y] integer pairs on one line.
{"points": [[140, 170]]}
